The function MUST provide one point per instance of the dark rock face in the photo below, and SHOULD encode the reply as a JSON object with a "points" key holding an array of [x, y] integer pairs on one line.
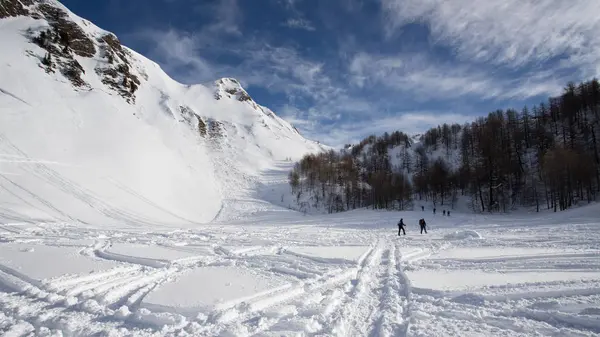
{"points": [[235, 91], [66, 39], [215, 129], [10, 8], [59, 56], [116, 72], [73, 70], [201, 127], [71, 35]]}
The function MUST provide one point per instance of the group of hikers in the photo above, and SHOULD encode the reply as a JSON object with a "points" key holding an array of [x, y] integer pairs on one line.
{"points": [[422, 224], [445, 212]]}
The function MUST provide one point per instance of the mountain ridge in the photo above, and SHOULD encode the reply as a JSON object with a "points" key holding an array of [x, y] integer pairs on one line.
{"points": [[122, 141]]}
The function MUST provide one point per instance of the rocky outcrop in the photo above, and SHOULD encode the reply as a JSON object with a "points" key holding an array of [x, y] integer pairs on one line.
{"points": [[68, 33], [59, 56], [66, 40], [190, 117], [61, 41], [215, 129], [231, 88], [116, 72], [10, 8]]}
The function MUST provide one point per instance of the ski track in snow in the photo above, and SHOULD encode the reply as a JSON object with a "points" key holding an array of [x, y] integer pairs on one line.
{"points": [[279, 273]]}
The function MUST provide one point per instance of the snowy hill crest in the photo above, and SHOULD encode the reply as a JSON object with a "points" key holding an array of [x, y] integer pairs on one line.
{"points": [[126, 142]]}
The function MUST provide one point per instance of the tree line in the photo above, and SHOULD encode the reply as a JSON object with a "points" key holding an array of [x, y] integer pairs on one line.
{"points": [[544, 156]]}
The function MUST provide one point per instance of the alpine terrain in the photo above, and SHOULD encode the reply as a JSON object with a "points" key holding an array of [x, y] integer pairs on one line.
{"points": [[134, 205]]}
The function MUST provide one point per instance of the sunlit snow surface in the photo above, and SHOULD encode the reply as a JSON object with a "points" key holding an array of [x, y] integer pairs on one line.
{"points": [[274, 272]]}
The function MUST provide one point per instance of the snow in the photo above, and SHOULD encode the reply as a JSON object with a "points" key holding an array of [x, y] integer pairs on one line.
{"points": [[105, 161], [462, 235], [471, 280], [330, 253], [151, 255], [283, 273], [119, 220], [222, 288], [39, 262]]}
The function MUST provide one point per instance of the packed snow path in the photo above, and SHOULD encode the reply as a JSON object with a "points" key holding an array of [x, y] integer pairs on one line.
{"points": [[284, 274]]}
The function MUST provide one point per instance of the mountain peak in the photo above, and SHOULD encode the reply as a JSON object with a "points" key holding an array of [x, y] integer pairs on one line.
{"points": [[231, 88]]}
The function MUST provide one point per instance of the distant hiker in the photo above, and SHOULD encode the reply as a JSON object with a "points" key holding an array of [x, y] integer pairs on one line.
{"points": [[434, 211], [423, 226], [448, 213], [444, 212], [401, 227], [423, 208]]}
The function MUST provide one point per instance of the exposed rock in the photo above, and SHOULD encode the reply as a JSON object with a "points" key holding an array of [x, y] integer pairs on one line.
{"points": [[116, 73], [188, 115], [215, 129], [73, 70], [232, 88], [191, 118], [71, 35], [201, 127], [66, 39], [118, 83], [58, 56], [48, 63], [10, 8], [114, 47], [240, 94]]}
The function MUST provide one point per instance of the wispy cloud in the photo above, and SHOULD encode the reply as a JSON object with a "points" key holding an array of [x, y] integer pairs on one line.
{"points": [[410, 122], [176, 50], [227, 17], [512, 33], [421, 76], [299, 23], [341, 87], [276, 69]]}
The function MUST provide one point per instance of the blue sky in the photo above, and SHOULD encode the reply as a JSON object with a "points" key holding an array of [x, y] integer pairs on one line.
{"points": [[341, 70]]}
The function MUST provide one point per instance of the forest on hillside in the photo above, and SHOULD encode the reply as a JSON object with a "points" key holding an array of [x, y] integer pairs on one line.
{"points": [[544, 156]]}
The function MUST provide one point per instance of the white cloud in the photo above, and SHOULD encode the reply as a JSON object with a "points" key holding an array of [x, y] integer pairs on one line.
{"points": [[276, 69], [227, 17], [176, 49], [512, 33], [424, 78], [345, 104], [352, 131], [299, 23]]}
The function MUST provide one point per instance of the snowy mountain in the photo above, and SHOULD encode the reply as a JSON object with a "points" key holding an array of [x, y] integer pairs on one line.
{"points": [[93, 132]]}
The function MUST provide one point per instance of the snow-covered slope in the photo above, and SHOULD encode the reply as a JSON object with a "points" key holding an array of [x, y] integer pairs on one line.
{"points": [[92, 132]]}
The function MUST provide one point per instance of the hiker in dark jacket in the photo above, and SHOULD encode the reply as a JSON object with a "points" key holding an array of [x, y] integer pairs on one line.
{"points": [[401, 227], [448, 213], [423, 208], [444, 212], [423, 226]]}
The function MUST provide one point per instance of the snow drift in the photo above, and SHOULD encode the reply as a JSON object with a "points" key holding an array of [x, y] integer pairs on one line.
{"points": [[463, 235], [92, 132]]}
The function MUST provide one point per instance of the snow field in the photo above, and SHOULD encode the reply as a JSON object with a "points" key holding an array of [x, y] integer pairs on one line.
{"points": [[274, 272], [322, 276]]}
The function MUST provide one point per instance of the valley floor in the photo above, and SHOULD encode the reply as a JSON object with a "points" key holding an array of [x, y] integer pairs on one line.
{"points": [[276, 272], [341, 275]]}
